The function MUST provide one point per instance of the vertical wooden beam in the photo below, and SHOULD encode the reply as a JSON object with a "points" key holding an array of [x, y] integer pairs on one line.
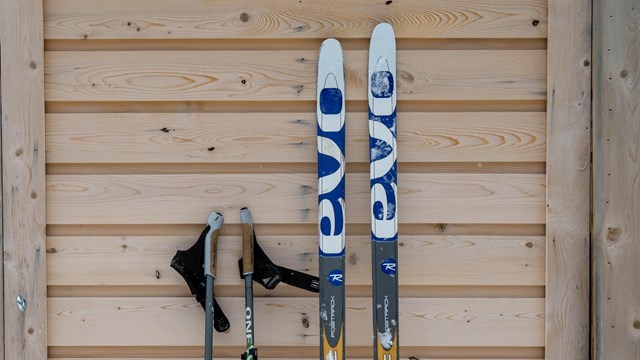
{"points": [[1, 232], [23, 178], [616, 177], [568, 179]]}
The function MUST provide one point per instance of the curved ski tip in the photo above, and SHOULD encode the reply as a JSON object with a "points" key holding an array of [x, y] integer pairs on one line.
{"points": [[382, 31], [383, 28], [331, 45], [215, 220], [245, 216]]}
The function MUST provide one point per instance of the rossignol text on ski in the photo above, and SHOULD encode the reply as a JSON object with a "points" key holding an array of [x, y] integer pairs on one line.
{"points": [[384, 191], [331, 198]]}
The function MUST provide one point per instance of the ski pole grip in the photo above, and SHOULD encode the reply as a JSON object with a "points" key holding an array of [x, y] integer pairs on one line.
{"points": [[214, 252], [247, 241], [215, 223]]}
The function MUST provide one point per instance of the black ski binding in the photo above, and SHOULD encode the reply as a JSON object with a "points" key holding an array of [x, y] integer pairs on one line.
{"points": [[190, 265], [269, 275]]}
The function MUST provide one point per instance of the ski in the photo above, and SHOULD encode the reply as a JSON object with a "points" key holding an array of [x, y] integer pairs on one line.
{"points": [[331, 198], [383, 181]]}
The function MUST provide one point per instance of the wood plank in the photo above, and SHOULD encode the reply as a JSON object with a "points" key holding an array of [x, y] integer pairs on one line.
{"points": [[288, 198], [426, 322], [568, 179], [286, 137], [281, 19], [426, 260], [310, 229], [616, 196], [283, 291], [23, 174], [287, 75]]}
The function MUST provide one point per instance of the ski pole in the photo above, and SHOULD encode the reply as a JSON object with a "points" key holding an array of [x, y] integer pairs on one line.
{"points": [[248, 236], [211, 242]]}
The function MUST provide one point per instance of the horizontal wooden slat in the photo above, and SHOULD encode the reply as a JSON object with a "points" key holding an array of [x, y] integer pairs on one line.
{"points": [[426, 260], [230, 19], [436, 291], [425, 322], [286, 137], [287, 75], [288, 198], [301, 229]]}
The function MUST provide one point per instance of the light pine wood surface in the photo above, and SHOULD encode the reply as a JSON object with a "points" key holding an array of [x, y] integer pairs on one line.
{"points": [[443, 75], [616, 166], [281, 19], [568, 179], [24, 333]]}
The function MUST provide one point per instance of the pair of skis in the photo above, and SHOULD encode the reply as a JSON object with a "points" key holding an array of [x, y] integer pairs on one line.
{"points": [[331, 194]]}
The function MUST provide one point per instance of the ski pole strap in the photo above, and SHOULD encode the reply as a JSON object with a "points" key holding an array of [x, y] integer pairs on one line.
{"points": [[269, 275], [190, 265]]}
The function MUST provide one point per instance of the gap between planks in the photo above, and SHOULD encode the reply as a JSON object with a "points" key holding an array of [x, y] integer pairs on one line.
{"points": [[189, 353], [286, 44], [54, 107]]}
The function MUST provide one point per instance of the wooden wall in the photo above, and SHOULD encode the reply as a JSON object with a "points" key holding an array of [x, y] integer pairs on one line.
{"points": [[616, 195], [158, 112]]}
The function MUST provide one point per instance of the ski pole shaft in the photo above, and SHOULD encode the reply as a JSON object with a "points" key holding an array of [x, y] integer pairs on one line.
{"points": [[248, 238], [208, 332], [211, 243]]}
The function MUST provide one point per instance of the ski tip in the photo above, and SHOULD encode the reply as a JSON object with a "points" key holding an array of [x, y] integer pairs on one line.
{"points": [[245, 216], [330, 45], [215, 220], [383, 39], [383, 29]]}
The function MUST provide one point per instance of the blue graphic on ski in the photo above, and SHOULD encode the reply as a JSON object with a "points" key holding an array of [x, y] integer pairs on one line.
{"points": [[384, 191], [331, 198]]}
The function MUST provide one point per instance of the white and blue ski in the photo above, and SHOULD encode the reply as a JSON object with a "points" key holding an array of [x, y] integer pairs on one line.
{"points": [[331, 198], [384, 191]]}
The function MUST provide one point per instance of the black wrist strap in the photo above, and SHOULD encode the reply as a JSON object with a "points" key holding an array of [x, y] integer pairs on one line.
{"points": [[190, 265], [269, 275]]}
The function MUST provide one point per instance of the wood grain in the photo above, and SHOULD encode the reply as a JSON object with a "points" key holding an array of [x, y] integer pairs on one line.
{"points": [[616, 190], [426, 260], [288, 198], [426, 322], [281, 19], [23, 179], [287, 75], [286, 137], [568, 179]]}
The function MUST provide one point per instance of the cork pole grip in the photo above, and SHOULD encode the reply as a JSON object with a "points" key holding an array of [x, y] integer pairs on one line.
{"points": [[213, 251], [247, 249]]}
